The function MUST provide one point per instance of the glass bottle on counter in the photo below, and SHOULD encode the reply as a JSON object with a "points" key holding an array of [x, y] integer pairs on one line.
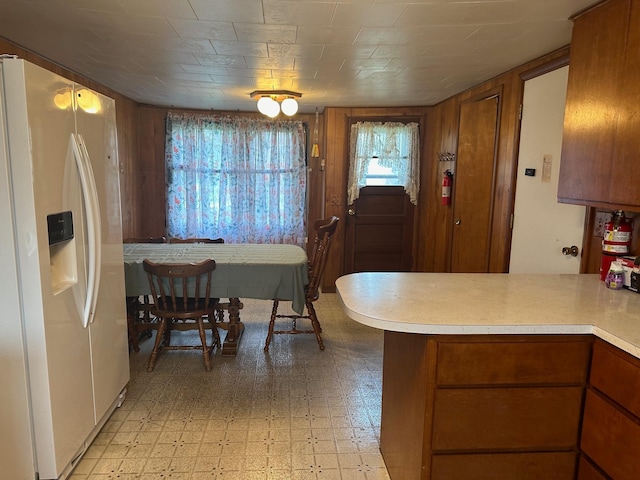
{"points": [[615, 277]]}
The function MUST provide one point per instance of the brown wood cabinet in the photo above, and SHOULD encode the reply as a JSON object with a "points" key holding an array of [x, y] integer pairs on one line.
{"points": [[587, 471], [482, 406], [611, 423], [600, 141]]}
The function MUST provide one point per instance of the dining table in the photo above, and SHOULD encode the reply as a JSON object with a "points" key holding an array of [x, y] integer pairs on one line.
{"points": [[257, 271]]}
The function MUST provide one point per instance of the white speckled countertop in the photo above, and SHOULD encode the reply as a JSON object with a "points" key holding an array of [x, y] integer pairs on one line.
{"points": [[493, 303]]}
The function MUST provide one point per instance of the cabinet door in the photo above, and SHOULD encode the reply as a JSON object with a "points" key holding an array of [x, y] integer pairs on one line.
{"points": [[617, 375], [506, 419], [610, 437], [595, 70], [624, 186], [586, 471], [492, 466]]}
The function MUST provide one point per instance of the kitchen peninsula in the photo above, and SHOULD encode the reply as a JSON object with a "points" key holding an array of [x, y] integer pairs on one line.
{"points": [[504, 375]]}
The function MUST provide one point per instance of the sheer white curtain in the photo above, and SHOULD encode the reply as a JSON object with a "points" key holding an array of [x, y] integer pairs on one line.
{"points": [[396, 146], [243, 179]]}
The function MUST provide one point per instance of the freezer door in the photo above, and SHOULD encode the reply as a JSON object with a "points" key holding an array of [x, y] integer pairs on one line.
{"points": [[16, 446]]}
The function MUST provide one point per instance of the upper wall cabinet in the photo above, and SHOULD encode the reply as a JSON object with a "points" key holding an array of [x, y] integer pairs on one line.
{"points": [[601, 143]]}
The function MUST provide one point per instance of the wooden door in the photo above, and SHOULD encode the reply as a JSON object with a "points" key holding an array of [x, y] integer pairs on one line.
{"points": [[473, 185], [379, 231]]}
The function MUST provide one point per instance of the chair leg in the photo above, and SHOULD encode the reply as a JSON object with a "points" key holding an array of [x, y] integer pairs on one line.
{"points": [[132, 330], [216, 336], [205, 349], [156, 346], [167, 332], [315, 324], [272, 322]]}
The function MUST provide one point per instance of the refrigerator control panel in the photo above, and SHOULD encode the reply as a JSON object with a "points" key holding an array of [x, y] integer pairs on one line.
{"points": [[60, 227]]}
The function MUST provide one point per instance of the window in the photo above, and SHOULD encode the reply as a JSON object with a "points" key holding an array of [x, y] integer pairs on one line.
{"points": [[384, 154], [243, 179], [380, 175]]}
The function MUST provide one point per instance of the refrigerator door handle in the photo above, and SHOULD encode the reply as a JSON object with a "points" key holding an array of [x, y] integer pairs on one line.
{"points": [[97, 223], [94, 234]]}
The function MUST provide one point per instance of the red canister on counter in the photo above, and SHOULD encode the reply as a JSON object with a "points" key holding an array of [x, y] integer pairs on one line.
{"points": [[617, 240]]}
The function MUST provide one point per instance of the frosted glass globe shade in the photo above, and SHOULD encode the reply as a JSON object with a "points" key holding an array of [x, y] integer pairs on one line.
{"points": [[289, 106], [268, 106]]}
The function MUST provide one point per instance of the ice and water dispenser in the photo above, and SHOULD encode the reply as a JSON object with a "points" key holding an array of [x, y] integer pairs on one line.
{"points": [[62, 251]]}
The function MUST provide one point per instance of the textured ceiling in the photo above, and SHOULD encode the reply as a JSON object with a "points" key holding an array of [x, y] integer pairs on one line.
{"points": [[213, 53]]}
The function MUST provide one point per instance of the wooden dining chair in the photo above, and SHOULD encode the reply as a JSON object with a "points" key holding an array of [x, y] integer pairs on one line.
{"points": [[221, 306], [195, 240], [182, 301], [317, 261], [140, 322], [145, 240]]}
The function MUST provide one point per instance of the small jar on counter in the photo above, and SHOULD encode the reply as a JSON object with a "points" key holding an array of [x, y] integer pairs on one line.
{"points": [[615, 277]]}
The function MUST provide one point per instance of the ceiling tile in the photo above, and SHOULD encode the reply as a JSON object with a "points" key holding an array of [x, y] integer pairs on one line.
{"points": [[212, 53]]}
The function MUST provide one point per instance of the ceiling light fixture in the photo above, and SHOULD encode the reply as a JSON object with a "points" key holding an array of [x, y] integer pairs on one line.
{"points": [[272, 102]]}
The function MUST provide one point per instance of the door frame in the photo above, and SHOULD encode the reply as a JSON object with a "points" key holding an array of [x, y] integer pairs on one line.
{"points": [[590, 259], [351, 119]]}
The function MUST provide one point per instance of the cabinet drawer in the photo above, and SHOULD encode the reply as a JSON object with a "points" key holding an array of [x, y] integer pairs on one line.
{"points": [[617, 375], [541, 418], [586, 471], [521, 466], [611, 438], [495, 363]]}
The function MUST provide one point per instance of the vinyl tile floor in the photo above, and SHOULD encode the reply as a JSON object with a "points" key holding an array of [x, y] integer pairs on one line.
{"points": [[295, 412]]}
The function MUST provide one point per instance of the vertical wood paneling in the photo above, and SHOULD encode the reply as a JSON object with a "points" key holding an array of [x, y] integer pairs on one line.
{"points": [[126, 120], [444, 136], [336, 186], [315, 187]]}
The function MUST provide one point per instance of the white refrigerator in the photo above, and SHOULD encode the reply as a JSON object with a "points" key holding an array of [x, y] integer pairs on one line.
{"points": [[64, 363]]}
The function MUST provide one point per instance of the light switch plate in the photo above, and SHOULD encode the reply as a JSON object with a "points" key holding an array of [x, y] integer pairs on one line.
{"points": [[547, 162], [601, 219]]}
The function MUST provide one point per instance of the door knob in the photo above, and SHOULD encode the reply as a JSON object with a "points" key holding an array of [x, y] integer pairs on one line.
{"points": [[351, 212], [572, 250]]}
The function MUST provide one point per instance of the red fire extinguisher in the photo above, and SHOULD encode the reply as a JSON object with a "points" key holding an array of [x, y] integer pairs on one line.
{"points": [[617, 235], [446, 187]]}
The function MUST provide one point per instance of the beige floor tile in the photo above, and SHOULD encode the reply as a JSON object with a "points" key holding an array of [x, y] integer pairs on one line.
{"points": [[293, 413]]}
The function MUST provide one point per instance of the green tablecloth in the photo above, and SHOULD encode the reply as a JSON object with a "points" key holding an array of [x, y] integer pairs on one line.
{"points": [[242, 270]]}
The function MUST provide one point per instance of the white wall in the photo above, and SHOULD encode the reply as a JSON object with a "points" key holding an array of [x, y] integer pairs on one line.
{"points": [[542, 226]]}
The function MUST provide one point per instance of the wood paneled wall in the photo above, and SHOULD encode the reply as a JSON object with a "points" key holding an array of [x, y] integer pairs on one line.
{"points": [[435, 223], [126, 119], [439, 128], [141, 137]]}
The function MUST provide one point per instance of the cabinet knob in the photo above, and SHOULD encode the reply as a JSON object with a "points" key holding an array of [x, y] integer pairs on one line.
{"points": [[457, 221]]}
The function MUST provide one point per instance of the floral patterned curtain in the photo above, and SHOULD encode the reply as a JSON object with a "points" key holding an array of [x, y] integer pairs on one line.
{"points": [[395, 144], [239, 178]]}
